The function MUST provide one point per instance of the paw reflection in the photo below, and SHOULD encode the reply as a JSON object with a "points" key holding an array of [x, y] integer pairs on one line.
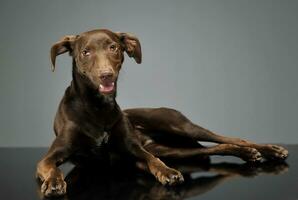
{"points": [[102, 182]]}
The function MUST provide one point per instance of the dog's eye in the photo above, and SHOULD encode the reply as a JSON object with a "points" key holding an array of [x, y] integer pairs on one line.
{"points": [[113, 47], [86, 52]]}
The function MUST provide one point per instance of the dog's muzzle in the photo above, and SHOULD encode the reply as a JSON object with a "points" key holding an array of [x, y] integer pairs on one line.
{"points": [[107, 83]]}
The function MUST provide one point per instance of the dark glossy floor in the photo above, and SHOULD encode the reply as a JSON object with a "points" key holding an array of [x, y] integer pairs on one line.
{"points": [[226, 178]]}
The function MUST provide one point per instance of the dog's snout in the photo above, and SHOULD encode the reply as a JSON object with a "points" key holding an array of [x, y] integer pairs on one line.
{"points": [[107, 75]]}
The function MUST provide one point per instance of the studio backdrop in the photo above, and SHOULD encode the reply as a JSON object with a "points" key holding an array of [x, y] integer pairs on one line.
{"points": [[230, 66]]}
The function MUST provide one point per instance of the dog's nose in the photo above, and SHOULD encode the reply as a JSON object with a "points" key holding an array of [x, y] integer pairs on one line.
{"points": [[106, 75]]}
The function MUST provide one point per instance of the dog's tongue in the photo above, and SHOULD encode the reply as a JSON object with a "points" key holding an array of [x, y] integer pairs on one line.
{"points": [[106, 87]]}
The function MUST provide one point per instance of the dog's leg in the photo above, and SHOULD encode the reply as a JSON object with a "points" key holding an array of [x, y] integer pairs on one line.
{"points": [[245, 153], [53, 183], [172, 121], [268, 151], [123, 135]]}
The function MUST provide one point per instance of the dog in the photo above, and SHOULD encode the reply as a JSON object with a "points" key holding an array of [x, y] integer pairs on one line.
{"points": [[89, 124]]}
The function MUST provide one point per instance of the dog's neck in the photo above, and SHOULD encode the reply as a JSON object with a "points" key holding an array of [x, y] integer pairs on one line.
{"points": [[82, 87]]}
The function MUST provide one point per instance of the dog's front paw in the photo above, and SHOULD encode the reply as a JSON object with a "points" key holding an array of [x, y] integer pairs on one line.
{"points": [[166, 175], [274, 152], [53, 187], [169, 176]]}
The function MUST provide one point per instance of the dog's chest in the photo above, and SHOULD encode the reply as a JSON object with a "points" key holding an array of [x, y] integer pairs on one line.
{"points": [[99, 136], [101, 139], [97, 127], [96, 148]]}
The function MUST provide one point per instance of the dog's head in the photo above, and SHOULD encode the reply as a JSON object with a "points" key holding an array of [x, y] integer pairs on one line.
{"points": [[98, 55]]}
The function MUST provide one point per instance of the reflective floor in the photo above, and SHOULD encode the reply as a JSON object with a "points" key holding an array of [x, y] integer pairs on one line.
{"points": [[225, 178]]}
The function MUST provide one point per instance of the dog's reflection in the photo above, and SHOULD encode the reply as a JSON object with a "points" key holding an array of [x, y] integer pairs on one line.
{"points": [[122, 181]]}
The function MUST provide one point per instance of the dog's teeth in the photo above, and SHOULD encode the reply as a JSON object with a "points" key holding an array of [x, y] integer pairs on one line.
{"points": [[113, 84], [101, 86]]}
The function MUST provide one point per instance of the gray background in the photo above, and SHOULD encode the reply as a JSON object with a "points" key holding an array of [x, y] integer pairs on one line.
{"points": [[231, 66]]}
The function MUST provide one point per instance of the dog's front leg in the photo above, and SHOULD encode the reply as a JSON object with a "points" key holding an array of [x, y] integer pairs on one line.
{"points": [[126, 136], [53, 183]]}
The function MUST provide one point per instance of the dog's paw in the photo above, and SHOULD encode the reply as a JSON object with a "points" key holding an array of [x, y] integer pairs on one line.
{"points": [[250, 154], [165, 175], [169, 177], [53, 187], [274, 152]]}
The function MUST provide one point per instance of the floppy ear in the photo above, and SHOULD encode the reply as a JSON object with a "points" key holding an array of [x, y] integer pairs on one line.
{"points": [[64, 45], [131, 45]]}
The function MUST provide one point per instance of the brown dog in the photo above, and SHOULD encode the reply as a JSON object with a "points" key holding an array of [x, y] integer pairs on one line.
{"points": [[89, 124]]}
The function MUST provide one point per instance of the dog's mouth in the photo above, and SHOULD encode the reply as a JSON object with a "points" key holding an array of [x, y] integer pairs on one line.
{"points": [[107, 87]]}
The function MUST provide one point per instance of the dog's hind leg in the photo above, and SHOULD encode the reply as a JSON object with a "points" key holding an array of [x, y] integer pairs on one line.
{"points": [[174, 122], [245, 153]]}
